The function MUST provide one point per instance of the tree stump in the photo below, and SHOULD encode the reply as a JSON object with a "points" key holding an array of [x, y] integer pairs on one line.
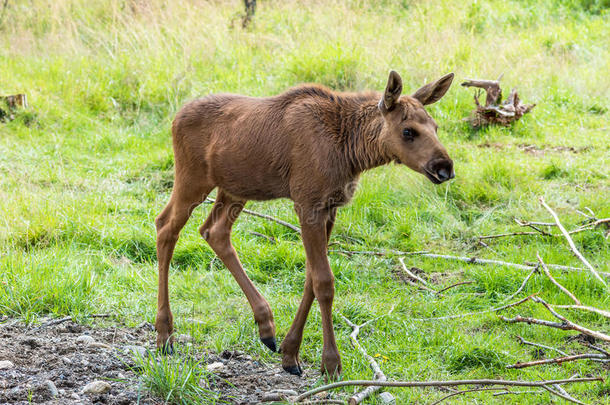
{"points": [[495, 112], [8, 104]]}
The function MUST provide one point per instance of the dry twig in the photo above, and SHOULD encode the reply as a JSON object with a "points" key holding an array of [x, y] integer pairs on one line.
{"points": [[562, 288], [564, 325], [525, 342], [559, 360], [584, 308], [69, 318], [454, 285], [571, 242], [414, 276], [264, 216], [378, 375], [513, 304]]}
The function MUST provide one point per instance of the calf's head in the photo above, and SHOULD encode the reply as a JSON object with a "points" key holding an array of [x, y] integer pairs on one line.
{"points": [[409, 132]]}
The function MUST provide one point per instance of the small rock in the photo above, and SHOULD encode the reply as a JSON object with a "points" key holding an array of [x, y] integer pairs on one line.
{"points": [[62, 392], [85, 340], [100, 345], [66, 360], [84, 362], [97, 387], [214, 367], [278, 395], [136, 350], [51, 387], [184, 338], [387, 398], [75, 396], [5, 364]]}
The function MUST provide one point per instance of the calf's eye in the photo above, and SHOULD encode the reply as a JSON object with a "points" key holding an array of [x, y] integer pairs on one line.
{"points": [[408, 134]]}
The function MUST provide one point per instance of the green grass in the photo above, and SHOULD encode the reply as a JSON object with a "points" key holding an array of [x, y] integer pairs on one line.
{"points": [[176, 379], [85, 170]]}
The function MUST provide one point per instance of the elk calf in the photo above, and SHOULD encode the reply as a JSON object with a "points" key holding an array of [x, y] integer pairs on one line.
{"points": [[309, 144]]}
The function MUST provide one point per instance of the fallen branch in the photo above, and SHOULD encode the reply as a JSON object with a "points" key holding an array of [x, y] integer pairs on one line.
{"points": [[564, 325], [449, 383], [387, 252], [414, 276], [378, 375], [455, 285], [525, 342], [453, 394], [513, 304], [562, 288], [502, 235], [264, 216], [571, 242], [560, 392], [584, 308], [558, 360]]}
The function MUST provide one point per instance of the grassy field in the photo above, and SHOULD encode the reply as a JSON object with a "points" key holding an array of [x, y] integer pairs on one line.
{"points": [[87, 167]]}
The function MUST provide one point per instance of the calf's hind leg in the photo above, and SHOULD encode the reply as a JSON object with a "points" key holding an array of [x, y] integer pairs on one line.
{"points": [[183, 201], [216, 230]]}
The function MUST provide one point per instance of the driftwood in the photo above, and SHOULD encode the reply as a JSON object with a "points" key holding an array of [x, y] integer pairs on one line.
{"points": [[495, 112]]}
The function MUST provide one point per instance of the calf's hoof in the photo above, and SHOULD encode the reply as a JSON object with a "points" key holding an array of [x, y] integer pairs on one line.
{"points": [[331, 368], [294, 370], [270, 343], [165, 345]]}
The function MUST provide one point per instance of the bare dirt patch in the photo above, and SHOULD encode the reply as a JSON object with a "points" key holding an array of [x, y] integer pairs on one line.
{"points": [[53, 364]]}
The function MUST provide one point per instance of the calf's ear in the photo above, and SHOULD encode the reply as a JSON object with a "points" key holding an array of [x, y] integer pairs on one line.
{"points": [[392, 92], [432, 92]]}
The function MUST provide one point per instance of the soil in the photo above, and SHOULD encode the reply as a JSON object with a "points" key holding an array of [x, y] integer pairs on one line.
{"points": [[57, 353]]}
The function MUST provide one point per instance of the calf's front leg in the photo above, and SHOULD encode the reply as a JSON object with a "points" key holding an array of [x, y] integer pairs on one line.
{"points": [[314, 231]]}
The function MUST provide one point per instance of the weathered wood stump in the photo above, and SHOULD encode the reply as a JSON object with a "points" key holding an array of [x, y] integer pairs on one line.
{"points": [[495, 112], [10, 103]]}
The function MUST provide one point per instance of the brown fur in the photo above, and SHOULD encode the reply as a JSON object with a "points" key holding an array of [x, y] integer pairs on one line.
{"points": [[309, 144]]}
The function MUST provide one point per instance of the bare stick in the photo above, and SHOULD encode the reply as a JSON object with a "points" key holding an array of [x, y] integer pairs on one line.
{"points": [[571, 242], [264, 216], [69, 318], [449, 383], [572, 325], [584, 308], [564, 325], [558, 360], [262, 235], [513, 304], [475, 260], [562, 288], [453, 394], [525, 342], [414, 276], [502, 235], [378, 375], [560, 392], [599, 349], [387, 252], [455, 285], [535, 269], [508, 392]]}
